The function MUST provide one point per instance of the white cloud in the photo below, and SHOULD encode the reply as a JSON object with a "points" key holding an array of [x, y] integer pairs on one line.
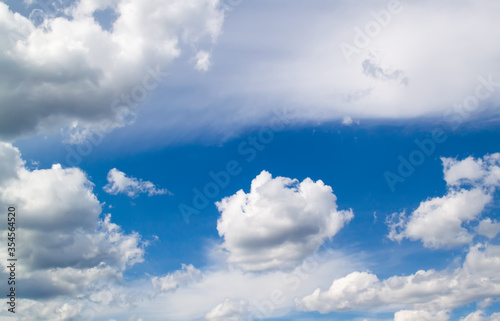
{"points": [[119, 182], [438, 222], [203, 62], [429, 294], [482, 171], [442, 222], [488, 228], [279, 222], [421, 315], [67, 249], [229, 310], [171, 282], [269, 295], [70, 72], [341, 293]]}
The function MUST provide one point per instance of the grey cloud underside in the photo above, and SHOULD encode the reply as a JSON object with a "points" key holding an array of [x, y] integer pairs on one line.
{"points": [[67, 71], [67, 247]]}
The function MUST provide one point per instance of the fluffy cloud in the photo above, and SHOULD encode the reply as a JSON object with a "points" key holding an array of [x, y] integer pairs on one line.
{"points": [[438, 222], [118, 182], [279, 222], [71, 72], [479, 172], [68, 250], [171, 282], [430, 294], [442, 222]]}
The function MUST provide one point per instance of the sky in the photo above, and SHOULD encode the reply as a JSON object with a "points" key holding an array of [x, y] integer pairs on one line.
{"points": [[235, 160]]}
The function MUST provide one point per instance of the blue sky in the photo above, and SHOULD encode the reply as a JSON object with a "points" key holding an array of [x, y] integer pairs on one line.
{"points": [[236, 160]]}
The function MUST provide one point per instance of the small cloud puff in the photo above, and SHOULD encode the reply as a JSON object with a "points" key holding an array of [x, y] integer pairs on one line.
{"points": [[203, 61], [119, 182]]}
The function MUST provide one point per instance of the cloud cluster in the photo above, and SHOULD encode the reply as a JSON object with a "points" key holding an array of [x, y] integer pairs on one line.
{"points": [[439, 222], [119, 182], [68, 249], [71, 72], [74, 257], [279, 222], [430, 294], [444, 222]]}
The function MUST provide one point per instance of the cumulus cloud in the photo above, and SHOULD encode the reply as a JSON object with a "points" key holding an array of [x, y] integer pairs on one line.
{"points": [[229, 310], [438, 222], [71, 72], [171, 282], [479, 172], [429, 294], [279, 222], [119, 182], [443, 222], [68, 249]]}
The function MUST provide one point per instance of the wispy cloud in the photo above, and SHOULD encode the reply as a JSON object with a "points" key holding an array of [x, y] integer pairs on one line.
{"points": [[120, 183]]}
